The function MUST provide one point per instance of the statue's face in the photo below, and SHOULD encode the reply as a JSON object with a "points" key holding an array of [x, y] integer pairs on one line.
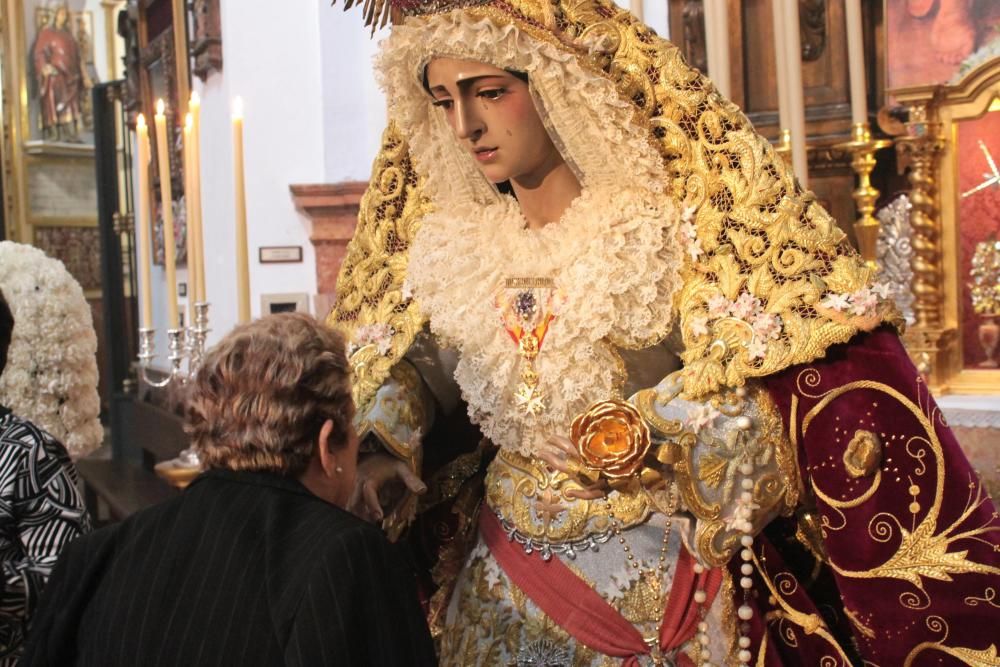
{"points": [[494, 118], [62, 15]]}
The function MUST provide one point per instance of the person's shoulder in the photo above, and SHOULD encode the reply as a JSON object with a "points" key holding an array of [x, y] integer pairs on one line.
{"points": [[348, 537], [17, 430], [22, 440], [343, 526]]}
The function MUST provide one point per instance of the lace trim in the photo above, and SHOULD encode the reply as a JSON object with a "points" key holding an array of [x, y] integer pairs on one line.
{"points": [[585, 115], [609, 255], [615, 253]]}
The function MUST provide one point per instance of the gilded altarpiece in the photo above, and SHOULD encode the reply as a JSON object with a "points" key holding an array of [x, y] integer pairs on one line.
{"points": [[951, 150], [52, 54]]}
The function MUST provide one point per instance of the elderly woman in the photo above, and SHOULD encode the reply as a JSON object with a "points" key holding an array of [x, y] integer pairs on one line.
{"points": [[255, 563]]}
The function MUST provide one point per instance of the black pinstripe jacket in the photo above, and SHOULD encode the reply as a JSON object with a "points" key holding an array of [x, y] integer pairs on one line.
{"points": [[41, 511], [240, 569]]}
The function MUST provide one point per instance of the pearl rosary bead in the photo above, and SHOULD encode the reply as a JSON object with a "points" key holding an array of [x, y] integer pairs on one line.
{"points": [[745, 612]]}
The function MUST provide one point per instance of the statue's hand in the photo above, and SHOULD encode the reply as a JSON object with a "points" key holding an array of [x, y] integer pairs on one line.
{"points": [[381, 480], [560, 455]]}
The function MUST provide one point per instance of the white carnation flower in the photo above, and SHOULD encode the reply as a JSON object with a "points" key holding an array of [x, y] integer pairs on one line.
{"points": [[51, 374]]}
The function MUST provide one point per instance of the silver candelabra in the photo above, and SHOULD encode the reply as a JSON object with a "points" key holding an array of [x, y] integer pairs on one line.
{"points": [[182, 344], [189, 344]]}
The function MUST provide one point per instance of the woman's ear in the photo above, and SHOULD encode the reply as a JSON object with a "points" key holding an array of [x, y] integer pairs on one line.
{"points": [[326, 457]]}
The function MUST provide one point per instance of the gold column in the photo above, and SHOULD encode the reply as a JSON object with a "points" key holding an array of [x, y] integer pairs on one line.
{"points": [[920, 148], [110, 33]]}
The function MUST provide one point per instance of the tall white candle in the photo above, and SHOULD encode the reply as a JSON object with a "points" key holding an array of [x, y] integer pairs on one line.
{"points": [[780, 64], [856, 62], [635, 6], [166, 201], [192, 246], [195, 106], [796, 94], [717, 44], [144, 235], [242, 249]]}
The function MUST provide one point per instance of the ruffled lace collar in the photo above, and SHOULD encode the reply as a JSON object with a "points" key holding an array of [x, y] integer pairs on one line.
{"points": [[611, 258]]}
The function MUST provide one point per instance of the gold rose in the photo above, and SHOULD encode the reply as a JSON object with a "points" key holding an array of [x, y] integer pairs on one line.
{"points": [[612, 439]]}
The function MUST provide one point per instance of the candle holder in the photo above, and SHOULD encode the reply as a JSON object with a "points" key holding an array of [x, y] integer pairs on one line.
{"points": [[197, 335], [175, 354], [183, 344], [862, 149]]}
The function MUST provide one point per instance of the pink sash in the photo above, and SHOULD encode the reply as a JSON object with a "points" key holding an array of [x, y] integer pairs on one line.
{"points": [[584, 614]]}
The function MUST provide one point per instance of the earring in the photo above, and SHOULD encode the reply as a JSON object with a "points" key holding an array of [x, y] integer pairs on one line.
{"points": [[339, 469]]}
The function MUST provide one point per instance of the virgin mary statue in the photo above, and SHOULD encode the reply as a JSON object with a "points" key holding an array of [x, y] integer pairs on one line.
{"points": [[693, 435]]}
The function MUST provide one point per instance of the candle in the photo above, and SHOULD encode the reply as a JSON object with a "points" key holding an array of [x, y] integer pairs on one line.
{"points": [[796, 97], [195, 106], [635, 6], [166, 200], [242, 251], [189, 209], [145, 230], [717, 44], [781, 71], [856, 62]]}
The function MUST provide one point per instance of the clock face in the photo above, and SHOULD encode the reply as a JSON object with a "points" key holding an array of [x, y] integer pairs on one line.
{"points": [[978, 214]]}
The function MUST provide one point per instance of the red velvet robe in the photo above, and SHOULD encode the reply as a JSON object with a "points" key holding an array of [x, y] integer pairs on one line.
{"points": [[911, 566]]}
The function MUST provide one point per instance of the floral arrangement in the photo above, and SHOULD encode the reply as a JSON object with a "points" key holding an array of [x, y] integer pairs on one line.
{"points": [[51, 374], [985, 274]]}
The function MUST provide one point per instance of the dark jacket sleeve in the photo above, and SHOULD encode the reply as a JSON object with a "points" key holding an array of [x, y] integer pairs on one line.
{"points": [[360, 608]]}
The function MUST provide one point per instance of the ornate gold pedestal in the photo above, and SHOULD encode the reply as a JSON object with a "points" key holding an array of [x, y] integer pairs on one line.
{"points": [[862, 149], [928, 339]]}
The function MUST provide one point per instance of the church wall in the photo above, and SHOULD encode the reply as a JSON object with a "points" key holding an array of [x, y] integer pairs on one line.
{"points": [[272, 60], [353, 105]]}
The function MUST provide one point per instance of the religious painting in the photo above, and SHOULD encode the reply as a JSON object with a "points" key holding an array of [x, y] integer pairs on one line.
{"points": [[934, 42], [179, 210], [59, 39], [979, 239]]}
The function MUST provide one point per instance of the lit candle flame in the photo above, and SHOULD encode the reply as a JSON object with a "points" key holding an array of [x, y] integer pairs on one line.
{"points": [[195, 100], [238, 108], [160, 107], [140, 122]]}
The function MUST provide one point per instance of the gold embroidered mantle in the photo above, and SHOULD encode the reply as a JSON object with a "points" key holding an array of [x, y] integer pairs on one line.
{"points": [[756, 235]]}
